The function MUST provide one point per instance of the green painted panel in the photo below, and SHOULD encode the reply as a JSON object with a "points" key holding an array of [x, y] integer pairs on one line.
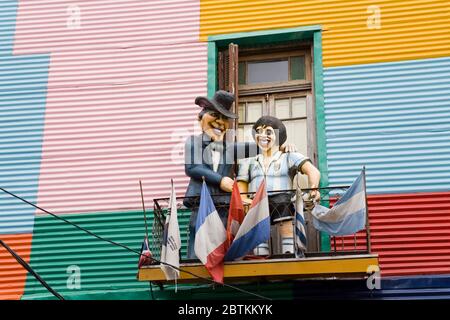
{"points": [[320, 123], [108, 272], [212, 68], [57, 247], [263, 37]]}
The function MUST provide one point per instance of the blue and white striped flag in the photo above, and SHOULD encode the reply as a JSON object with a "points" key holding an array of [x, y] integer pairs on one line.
{"points": [[348, 215], [299, 227]]}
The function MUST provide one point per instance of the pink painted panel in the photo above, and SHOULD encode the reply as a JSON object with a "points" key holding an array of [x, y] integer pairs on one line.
{"points": [[120, 99]]}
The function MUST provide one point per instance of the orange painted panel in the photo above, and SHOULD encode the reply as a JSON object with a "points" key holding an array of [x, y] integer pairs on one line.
{"points": [[12, 274]]}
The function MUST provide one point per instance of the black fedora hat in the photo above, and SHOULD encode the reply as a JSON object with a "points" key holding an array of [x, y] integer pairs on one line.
{"points": [[221, 102]]}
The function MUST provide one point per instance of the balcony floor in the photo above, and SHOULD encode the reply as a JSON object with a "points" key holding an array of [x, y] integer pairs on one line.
{"points": [[346, 266]]}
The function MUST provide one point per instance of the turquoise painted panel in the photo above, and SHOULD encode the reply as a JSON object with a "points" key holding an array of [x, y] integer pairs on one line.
{"points": [[105, 270], [394, 118], [23, 90], [59, 250]]}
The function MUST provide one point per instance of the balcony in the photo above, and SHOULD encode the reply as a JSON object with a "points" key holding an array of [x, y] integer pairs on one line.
{"points": [[325, 258]]}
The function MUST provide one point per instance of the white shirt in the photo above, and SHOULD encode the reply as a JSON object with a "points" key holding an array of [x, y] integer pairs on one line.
{"points": [[215, 156]]}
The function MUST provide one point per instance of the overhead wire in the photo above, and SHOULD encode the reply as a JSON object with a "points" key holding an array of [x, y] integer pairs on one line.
{"points": [[27, 267], [128, 248]]}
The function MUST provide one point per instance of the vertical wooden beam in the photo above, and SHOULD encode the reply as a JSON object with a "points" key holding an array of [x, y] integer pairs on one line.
{"points": [[233, 84]]}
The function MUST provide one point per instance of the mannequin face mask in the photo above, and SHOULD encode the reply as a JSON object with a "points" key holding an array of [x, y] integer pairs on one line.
{"points": [[265, 137], [214, 125]]}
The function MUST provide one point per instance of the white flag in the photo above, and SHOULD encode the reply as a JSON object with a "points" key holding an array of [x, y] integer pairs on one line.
{"points": [[170, 251]]}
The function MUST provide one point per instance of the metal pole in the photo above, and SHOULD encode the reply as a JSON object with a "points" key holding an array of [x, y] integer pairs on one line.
{"points": [[143, 208], [27, 267], [369, 246], [334, 242]]}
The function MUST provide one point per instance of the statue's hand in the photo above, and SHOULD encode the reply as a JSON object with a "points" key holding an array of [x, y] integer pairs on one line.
{"points": [[314, 195], [226, 184], [288, 147]]}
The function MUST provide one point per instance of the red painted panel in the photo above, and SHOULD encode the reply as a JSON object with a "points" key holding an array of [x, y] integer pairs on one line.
{"points": [[410, 232], [12, 275]]}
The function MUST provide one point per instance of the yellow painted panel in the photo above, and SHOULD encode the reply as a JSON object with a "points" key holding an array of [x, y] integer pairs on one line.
{"points": [[354, 32], [273, 268]]}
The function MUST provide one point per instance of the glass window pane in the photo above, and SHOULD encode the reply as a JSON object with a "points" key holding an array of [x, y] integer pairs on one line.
{"points": [[269, 71], [297, 134], [298, 107], [241, 112], [242, 72], [298, 68], [282, 108], [254, 111], [245, 133], [240, 133]]}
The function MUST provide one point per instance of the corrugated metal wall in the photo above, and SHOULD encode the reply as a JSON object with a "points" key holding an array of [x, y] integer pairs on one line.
{"points": [[387, 106], [12, 275], [121, 88], [409, 232], [394, 118], [23, 85], [58, 246], [106, 271], [96, 95], [409, 29]]}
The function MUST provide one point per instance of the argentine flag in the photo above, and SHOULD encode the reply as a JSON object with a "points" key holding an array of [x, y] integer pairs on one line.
{"points": [[348, 215]]}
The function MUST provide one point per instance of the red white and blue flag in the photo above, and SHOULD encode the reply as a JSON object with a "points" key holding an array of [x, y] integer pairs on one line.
{"points": [[235, 214], [210, 236], [255, 229], [146, 257]]}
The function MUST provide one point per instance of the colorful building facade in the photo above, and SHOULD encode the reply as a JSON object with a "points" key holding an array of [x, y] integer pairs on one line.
{"points": [[97, 95]]}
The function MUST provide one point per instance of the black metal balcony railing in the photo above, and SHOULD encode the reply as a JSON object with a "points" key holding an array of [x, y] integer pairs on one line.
{"points": [[318, 244]]}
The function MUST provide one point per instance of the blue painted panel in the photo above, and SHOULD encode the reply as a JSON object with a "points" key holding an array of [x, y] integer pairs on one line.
{"points": [[394, 118], [23, 90], [391, 288]]}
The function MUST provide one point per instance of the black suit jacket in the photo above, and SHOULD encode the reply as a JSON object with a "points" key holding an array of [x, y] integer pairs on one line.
{"points": [[198, 164]]}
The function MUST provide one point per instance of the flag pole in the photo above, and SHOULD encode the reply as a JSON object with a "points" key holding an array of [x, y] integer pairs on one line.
{"points": [[369, 246], [171, 189], [170, 212], [143, 208]]}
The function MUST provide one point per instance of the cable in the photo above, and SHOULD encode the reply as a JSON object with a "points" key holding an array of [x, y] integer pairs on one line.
{"points": [[27, 267], [151, 290], [128, 248]]}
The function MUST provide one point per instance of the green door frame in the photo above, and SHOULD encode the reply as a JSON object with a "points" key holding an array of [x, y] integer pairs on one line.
{"points": [[313, 33]]}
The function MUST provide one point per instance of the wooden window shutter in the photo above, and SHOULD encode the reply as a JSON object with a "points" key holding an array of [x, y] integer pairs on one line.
{"points": [[233, 72], [228, 75], [222, 69]]}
